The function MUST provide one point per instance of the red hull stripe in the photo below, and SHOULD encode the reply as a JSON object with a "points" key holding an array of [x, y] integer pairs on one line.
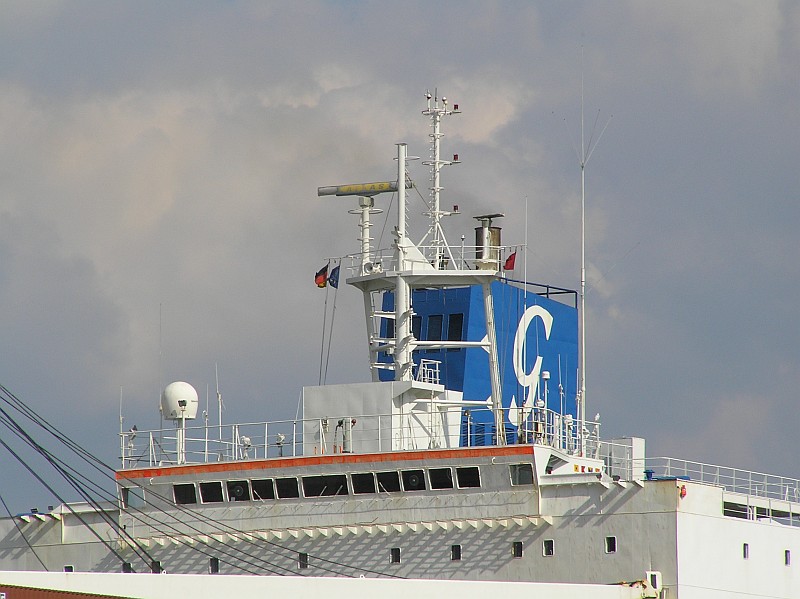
{"points": [[336, 458]]}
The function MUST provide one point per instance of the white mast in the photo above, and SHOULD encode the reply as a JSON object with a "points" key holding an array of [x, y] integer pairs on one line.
{"points": [[436, 234], [402, 307], [411, 268]]}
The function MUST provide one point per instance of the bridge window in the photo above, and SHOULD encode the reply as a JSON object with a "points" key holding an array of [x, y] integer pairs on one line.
{"points": [[263, 489], [787, 558], [184, 494], [548, 548], [746, 550], [287, 488], [389, 327], [211, 492], [238, 490], [302, 561], [325, 486], [441, 478], [363, 482], [132, 497], [388, 481], [414, 480], [455, 329], [468, 477], [395, 555], [435, 327], [521, 474]]}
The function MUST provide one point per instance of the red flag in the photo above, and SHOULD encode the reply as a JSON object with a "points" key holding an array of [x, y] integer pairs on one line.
{"points": [[510, 261], [321, 278]]}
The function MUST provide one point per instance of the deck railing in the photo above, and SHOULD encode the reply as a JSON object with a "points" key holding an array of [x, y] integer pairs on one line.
{"points": [[450, 258], [735, 480], [428, 428]]}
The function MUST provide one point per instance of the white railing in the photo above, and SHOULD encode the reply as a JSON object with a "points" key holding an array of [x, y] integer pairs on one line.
{"points": [[735, 480], [428, 371], [353, 434], [457, 258], [619, 461]]}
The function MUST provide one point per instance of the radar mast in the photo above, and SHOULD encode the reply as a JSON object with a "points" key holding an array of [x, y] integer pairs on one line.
{"points": [[439, 252]]}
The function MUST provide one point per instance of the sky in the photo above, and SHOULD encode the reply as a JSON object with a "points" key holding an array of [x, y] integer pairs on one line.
{"points": [[159, 217]]}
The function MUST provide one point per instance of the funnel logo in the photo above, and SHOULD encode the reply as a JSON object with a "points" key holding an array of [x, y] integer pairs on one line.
{"points": [[529, 381], [534, 334]]}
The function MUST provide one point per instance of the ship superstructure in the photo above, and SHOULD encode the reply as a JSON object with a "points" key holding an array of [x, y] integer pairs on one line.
{"points": [[464, 458]]}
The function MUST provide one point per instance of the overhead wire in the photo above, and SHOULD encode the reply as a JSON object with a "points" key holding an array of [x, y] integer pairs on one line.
{"points": [[22, 534], [104, 469], [57, 464]]}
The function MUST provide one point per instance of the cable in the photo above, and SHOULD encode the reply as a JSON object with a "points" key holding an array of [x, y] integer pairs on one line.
{"points": [[24, 538], [98, 465]]}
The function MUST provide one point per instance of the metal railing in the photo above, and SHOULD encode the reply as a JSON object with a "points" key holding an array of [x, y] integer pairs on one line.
{"points": [[428, 371], [464, 257], [619, 461], [735, 480], [426, 425]]}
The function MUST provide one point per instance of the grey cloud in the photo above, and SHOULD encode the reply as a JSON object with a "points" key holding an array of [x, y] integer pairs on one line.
{"points": [[158, 197]]}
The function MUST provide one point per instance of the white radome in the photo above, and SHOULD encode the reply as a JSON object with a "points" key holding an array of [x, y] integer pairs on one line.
{"points": [[179, 400]]}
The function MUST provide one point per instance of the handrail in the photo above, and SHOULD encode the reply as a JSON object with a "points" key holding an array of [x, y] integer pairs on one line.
{"points": [[734, 480], [470, 425]]}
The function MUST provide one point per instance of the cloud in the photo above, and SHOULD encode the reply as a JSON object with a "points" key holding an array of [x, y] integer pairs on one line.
{"points": [[158, 208], [725, 48]]}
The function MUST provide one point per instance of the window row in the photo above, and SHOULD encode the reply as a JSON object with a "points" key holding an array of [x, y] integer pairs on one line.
{"points": [[787, 554], [517, 550], [549, 547], [434, 327], [328, 485], [456, 554]]}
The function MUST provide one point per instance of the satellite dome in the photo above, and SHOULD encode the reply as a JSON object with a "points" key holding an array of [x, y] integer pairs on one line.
{"points": [[179, 400]]}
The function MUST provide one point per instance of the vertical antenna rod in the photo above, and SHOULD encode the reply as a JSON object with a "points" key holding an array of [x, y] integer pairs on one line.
{"points": [[219, 401], [582, 392], [121, 434], [585, 155]]}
